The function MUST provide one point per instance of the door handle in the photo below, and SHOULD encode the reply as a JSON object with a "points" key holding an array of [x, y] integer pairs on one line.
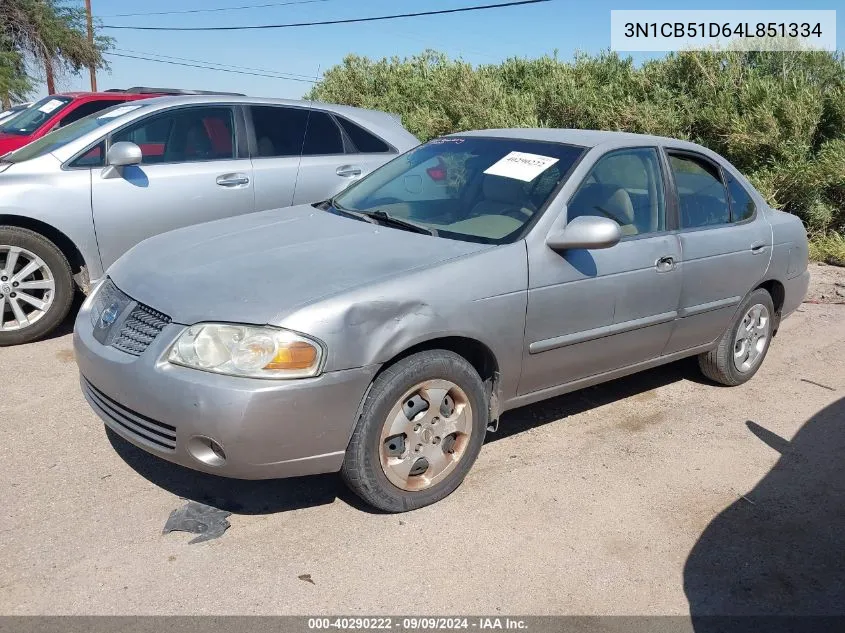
{"points": [[758, 248], [348, 171], [232, 180], [665, 264]]}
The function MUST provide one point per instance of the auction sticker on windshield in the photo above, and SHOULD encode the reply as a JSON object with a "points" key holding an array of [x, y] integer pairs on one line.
{"points": [[51, 105], [521, 166]]}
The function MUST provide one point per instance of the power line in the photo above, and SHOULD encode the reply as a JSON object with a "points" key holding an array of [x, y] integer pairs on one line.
{"points": [[200, 61], [346, 21], [247, 6], [223, 70]]}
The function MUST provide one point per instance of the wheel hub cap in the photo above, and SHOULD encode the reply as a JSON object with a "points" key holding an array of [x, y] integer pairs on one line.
{"points": [[751, 338], [425, 435]]}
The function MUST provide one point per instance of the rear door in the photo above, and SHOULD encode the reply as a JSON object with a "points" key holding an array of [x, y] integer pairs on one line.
{"points": [[276, 137], [332, 160], [726, 247], [194, 169]]}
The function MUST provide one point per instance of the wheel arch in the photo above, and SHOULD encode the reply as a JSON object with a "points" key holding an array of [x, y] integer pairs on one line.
{"points": [[63, 242], [778, 293], [475, 352]]}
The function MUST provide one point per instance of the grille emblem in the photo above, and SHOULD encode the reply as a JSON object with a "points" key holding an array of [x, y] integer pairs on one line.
{"points": [[109, 316]]}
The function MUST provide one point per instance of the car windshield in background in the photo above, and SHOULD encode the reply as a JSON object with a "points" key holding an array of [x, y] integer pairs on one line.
{"points": [[70, 132], [29, 120], [469, 188]]}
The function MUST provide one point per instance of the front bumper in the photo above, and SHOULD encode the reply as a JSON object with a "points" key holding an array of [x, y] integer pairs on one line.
{"points": [[267, 428]]}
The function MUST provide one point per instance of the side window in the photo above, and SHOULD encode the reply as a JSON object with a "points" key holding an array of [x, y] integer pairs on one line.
{"points": [[742, 206], [364, 142], [701, 192], [625, 186], [94, 157], [278, 131], [84, 110], [323, 136], [183, 136]]}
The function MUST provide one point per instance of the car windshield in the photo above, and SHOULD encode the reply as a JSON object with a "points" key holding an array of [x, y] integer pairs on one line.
{"points": [[29, 120], [68, 133], [469, 188]]}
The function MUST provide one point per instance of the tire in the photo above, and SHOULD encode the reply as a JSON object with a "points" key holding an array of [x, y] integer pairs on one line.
{"points": [[58, 299], [366, 468], [720, 363]]}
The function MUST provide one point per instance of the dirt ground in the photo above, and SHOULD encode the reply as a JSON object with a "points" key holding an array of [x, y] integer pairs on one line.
{"points": [[654, 494]]}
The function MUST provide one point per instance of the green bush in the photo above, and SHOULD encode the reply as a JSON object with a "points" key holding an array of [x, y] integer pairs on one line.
{"points": [[779, 117]]}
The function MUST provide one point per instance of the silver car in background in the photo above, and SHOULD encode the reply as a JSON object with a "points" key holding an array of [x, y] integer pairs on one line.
{"points": [[382, 332], [75, 200]]}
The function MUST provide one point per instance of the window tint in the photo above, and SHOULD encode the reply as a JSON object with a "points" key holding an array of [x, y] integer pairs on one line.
{"points": [[701, 193], [625, 186], [84, 110], [323, 136], [742, 206], [94, 157], [183, 136], [364, 142], [279, 131]]}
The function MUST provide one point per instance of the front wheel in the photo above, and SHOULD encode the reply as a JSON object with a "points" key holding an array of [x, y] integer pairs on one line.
{"points": [[742, 348], [36, 286], [420, 431]]}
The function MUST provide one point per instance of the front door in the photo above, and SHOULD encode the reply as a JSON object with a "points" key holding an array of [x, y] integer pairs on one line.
{"points": [[593, 311], [191, 172]]}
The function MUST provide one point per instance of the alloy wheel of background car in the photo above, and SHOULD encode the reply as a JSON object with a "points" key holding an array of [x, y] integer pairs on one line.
{"points": [[425, 434], [421, 428], [741, 349], [36, 287], [751, 338]]}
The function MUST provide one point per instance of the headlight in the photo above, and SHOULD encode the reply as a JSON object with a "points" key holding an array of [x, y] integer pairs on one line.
{"points": [[246, 350]]}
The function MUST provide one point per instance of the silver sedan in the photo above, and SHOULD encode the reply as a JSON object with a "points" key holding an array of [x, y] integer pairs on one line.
{"points": [[383, 332]]}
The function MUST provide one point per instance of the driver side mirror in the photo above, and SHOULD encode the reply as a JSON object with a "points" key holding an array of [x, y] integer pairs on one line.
{"points": [[586, 231], [123, 154]]}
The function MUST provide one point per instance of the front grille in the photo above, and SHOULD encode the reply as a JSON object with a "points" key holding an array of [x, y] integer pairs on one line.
{"points": [[141, 428], [140, 329]]}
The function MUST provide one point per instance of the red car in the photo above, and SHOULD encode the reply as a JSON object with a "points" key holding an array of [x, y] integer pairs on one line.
{"points": [[58, 110]]}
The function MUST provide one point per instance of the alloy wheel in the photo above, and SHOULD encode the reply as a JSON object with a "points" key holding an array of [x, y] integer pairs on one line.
{"points": [[27, 288]]}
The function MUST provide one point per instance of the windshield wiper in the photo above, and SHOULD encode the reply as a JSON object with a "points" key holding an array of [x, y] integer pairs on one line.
{"points": [[390, 220]]}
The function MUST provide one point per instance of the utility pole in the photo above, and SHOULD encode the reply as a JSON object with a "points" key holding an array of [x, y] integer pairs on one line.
{"points": [[91, 69]]}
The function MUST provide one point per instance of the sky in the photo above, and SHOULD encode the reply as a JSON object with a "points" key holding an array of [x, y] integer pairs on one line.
{"points": [[480, 37]]}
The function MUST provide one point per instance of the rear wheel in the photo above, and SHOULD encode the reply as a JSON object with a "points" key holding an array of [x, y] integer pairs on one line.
{"points": [[421, 429], [744, 345], [36, 286]]}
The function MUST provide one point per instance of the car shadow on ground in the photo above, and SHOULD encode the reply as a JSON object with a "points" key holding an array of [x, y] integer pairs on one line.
{"points": [[281, 495], [780, 548]]}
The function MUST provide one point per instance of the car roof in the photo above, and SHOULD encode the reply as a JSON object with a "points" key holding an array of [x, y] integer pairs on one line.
{"points": [[585, 138]]}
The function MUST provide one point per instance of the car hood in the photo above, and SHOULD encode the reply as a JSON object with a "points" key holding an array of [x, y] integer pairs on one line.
{"points": [[259, 267]]}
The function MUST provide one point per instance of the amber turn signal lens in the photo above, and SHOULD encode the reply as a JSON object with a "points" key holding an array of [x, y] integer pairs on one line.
{"points": [[294, 355]]}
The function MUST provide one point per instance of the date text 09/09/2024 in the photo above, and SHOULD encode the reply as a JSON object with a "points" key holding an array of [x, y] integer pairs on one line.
{"points": [[724, 29], [416, 623]]}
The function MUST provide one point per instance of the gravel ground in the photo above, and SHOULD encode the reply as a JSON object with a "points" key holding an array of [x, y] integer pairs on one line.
{"points": [[653, 494]]}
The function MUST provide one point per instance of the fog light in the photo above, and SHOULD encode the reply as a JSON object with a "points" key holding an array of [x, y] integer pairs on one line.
{"points": [[206, 450]]}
